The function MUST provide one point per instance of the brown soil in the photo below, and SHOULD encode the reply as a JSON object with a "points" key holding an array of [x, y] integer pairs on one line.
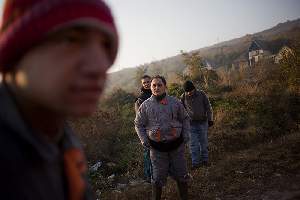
{"points": [[269, 171]]}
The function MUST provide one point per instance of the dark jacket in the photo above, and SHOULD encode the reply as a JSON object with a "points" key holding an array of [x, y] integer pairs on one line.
{"points": [[145, 94], [198, 106], [32, 168]]}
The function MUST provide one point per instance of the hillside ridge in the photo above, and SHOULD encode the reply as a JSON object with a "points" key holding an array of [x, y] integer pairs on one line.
{"points": [[221, 54]]}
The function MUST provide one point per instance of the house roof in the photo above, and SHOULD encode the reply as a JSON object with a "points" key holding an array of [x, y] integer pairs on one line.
{"points": [[258, 45]]}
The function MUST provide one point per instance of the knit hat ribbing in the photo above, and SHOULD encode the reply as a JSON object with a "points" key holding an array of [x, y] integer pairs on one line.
{"points": [[25, 23]]}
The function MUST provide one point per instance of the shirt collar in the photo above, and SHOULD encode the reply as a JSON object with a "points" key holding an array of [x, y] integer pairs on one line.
{"points": [[164, 101]]}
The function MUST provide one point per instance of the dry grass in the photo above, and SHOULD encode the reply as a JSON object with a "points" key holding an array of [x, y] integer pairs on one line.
{"points": [[268, 170]]}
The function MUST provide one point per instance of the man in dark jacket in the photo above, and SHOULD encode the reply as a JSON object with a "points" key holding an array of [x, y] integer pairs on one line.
{"points": [[54, 55], [200, 112], [145, 94]]}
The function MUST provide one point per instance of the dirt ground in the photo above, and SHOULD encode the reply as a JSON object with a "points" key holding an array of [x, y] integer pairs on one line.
{"points": [[269, 171]]}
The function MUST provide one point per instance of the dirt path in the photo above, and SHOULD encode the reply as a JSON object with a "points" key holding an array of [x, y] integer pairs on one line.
{"points": [[267, 171]]}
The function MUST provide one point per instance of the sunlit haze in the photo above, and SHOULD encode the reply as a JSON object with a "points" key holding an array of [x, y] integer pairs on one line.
{"points": [[157, 29]]}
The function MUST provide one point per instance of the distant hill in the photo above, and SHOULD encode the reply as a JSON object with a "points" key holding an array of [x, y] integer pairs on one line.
{"points": [[220, 55]]}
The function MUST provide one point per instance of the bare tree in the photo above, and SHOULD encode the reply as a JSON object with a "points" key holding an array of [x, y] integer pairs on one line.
{"points": [[196, 68]]}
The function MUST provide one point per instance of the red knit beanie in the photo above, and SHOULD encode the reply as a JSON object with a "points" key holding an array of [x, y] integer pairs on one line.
{"points": [[25, 23]]}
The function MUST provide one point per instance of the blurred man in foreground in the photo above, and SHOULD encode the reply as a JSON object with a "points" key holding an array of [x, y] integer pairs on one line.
{"points": [[54, 55]]}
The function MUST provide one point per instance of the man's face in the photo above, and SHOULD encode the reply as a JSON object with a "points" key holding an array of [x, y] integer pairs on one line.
{"points": [[190, 93], [66, 74], [146, 83], [157, 87]]}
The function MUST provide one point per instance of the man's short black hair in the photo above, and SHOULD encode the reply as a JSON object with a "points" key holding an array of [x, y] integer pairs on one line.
{"points": [[161, 78], [145, 76]]}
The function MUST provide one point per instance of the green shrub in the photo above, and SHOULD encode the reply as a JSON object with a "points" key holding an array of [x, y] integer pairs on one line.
{"points": [[175, 90]]}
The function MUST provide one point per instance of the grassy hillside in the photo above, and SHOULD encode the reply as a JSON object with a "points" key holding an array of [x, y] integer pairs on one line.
{"points": [[126, 78], [221, 55]]}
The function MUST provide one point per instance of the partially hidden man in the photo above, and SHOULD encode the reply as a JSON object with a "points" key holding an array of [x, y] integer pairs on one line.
{"points": [[145, 93]]}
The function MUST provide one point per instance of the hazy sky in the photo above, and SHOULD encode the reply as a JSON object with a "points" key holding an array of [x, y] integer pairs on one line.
{"points": [[155, 29]]}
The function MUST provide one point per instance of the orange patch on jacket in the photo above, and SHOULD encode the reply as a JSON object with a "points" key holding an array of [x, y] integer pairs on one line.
{"points": [[75, 168], [164, 101], [173, 133], [158, 135]]}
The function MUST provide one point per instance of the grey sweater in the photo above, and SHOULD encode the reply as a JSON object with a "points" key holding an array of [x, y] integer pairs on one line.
{"points": [[161, 121]]}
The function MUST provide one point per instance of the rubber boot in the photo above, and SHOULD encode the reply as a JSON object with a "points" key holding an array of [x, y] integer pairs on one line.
{"points": [[156, 192], [183, 190]]}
